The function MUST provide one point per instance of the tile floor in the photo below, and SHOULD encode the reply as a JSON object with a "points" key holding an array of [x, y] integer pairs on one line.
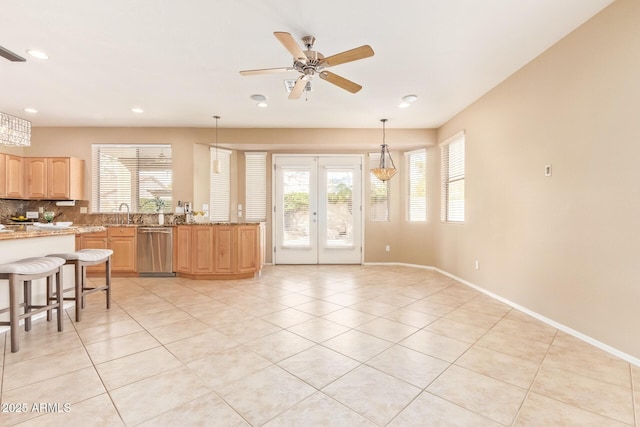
{"points": [[311, 346]]}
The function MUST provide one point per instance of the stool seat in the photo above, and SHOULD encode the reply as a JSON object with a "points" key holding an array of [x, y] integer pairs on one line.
{"points": [[86, 255], [35, 266]]}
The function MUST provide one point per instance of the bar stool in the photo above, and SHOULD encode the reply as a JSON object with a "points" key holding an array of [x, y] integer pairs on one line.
{"points": [[81, 260], [23, 272]]}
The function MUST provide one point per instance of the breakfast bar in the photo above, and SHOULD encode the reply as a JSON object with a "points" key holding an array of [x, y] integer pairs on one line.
{"points": [[26, 241]]}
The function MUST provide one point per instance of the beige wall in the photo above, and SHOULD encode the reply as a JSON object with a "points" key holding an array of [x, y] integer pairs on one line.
{"points": [[190, 150], [567, 246]]}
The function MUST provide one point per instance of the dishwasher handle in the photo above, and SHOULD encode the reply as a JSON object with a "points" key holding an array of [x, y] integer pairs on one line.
{"points": [[153, 231]]}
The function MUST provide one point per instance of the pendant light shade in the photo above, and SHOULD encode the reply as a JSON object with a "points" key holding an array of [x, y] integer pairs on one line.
{"points": [[14, 131], [386, 169], [215, 167]]}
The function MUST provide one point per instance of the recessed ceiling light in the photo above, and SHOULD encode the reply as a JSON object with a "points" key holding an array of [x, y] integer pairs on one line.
{"points": [[403, 105], [31, 110], [410, 98], [258, 98], [262, 104], [37, 54], [137, 110]]}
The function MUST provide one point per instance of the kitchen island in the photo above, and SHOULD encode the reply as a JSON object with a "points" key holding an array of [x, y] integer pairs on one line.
{"points": [[218, 251], [19, 242]]}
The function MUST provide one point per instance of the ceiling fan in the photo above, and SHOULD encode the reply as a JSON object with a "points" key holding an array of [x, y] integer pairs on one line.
{"points": [[310, 63], [5, 53]]}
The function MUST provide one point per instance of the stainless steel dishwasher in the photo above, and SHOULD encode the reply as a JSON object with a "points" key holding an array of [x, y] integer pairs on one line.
{"points": [[155, 251]]}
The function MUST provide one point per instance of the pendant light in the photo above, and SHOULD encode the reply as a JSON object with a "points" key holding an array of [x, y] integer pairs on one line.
{"points": [[216, 162], [386, 169]]}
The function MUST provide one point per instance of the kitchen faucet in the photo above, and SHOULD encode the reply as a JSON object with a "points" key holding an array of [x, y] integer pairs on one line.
{"points": [[128, 211]]}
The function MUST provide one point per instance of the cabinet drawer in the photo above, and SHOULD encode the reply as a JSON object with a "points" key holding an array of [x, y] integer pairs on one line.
{"points": [[122, 231]]}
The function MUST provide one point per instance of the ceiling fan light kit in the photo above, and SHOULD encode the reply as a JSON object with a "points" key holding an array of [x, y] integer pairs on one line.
{"points": [[310, 63], [386, 168]]}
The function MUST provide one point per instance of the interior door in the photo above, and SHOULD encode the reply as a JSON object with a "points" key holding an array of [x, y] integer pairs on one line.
{"points": [[317, 210]]}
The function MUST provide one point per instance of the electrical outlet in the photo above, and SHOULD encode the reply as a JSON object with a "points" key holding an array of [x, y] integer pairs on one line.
{"points": [[477, 265], [41, 209], [83, 209], [547, 170], [387, 248]]}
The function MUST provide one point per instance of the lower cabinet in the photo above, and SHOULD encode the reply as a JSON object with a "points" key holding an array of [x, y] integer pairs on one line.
{"points": [[217, 251], [121, 240]]}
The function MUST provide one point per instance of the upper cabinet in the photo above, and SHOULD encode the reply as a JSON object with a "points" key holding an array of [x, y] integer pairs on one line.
{"points": [[65, 177], [14, 177], [3, 176], [57, 178], [35, 177]]}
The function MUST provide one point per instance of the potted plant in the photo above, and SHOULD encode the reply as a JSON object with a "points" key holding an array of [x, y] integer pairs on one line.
{"points": [[160, 205]]}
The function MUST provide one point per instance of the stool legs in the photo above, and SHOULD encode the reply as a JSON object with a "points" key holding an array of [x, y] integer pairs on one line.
{"points": [[108, 281], [59, 291], [14, 290], [80, 278], [14, 305]]}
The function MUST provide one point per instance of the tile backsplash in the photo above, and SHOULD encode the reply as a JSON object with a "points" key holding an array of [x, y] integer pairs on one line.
{"points": [[12, 208]]}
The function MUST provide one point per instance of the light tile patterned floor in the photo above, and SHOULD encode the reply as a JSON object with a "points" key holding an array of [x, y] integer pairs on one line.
{"points": [[311, 346]]}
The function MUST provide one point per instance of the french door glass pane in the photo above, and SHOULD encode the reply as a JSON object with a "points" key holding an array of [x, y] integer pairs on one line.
{"points": [[296, 183], [339, 207]]}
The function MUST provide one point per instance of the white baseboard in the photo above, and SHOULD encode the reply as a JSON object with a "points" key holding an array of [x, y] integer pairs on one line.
{"points": [[605, 347]]}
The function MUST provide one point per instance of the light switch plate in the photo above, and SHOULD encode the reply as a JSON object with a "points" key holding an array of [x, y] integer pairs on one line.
{"points": [[83, 209]]}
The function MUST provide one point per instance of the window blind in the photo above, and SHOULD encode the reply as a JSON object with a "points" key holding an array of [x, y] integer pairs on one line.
{"points": [[138, 175], [378, 193], [417, 177], [255, 186], [220, 187], [452, 168]]}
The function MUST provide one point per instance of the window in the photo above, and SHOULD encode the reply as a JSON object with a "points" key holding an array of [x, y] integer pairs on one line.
{"points": [[453, 178], [255, 186], [220, 186], [417, 176], [379, 193], [138, 175]]}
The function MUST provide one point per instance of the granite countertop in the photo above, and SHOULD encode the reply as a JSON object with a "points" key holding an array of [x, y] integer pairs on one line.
{"points": [[23, 232]]}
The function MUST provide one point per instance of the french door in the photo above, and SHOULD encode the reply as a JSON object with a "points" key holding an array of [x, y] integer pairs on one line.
{"points": [[317, 209]]}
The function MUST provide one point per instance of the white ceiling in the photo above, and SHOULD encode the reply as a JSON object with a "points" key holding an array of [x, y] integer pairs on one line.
{"points": [[179, 60]]}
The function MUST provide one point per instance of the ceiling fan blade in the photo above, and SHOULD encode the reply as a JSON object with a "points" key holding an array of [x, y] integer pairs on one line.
{"points": [[349, 55], [10, 55], [297, 90], [340, 81], [289, 42], [265, 71]]}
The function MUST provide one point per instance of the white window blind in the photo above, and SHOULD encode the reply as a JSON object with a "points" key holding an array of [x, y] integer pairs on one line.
{"points": [[379, 193], [452, 168], [138, 175], [220, 186], [255, 186], [417, 177]]}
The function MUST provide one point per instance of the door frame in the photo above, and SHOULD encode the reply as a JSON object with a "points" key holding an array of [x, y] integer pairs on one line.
{"points": [[274, 157]]}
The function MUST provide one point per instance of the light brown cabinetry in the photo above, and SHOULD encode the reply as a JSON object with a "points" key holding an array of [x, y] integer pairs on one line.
{"points": [[57, 178], [182, 249], [121, 240], [217, 251], [14, 177], [249, 257], [35, 178], [3, 176]]}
